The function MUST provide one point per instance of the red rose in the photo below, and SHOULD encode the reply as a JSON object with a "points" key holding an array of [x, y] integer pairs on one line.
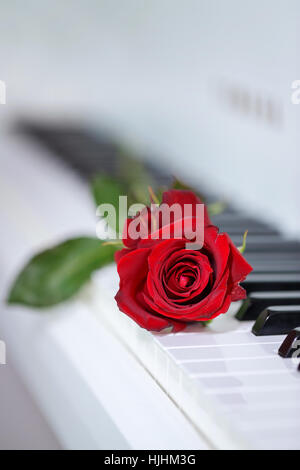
{"points": [[163, 284]]}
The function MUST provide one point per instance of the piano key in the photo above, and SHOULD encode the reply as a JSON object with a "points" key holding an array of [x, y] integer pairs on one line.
{"points": [[271, 282], [231, 384], [238, 366], [237, 219], [80, 149], [277, 320], [276, 266], [259, 397], [261, 243], [259, 301], [272, 256], [254, 239], [283, 441], [238, 226], [89, 153], [291, 344], [247, 351], [254, 231], [286, 422], [210, 339]]}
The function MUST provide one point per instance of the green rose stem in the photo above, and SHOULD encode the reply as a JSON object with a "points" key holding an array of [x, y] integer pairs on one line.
{"points": [[116, 243], [154, 199], [243, 247]]}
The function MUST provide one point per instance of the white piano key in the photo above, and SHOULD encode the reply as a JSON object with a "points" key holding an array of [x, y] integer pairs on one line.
{"points": [[229, 384], [196, 369], [251, 398], [274, 428], [257, 406], [191, 340], [224, 352], [274, 417], [286, 441], [220, 383]]}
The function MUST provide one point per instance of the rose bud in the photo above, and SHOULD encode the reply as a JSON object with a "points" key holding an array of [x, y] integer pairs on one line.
{"points": [[171, 282]]}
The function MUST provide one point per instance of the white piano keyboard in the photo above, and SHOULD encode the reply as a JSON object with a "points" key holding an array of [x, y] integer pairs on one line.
{"points": [[233, 386]]}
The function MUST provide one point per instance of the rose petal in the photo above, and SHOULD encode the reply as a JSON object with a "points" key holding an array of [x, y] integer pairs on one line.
{"points": [[182, 197], [132, 269]]}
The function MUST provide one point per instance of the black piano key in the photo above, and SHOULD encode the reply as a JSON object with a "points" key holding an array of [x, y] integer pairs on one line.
{"points": [[291, 344], [76, 147], [88, 153], [272, 256], [271, 282], [260, 243], [299, 367], [235, 232], [254, 238], [237, 228], [237, 219], [277, 320], [256, 302], [271, 266]]}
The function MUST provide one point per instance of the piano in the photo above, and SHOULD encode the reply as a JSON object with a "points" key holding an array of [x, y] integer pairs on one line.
{"points": [[223, 386]]}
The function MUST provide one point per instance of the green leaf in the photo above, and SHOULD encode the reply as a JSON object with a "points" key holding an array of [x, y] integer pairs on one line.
{"points": [[106, 190], [135, 177], [216, 208], [58, 273], [206, 323], [133, 182]]}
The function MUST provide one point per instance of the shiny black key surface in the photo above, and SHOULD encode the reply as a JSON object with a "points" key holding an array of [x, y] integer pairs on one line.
{"points": [[271, 282], [89, 153], [272, 256], [277, 320], [291, 344], [256, 302], [237, 219], [254, 231], [83, 151], [260, 243], [236, 225], [271, 266]]}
